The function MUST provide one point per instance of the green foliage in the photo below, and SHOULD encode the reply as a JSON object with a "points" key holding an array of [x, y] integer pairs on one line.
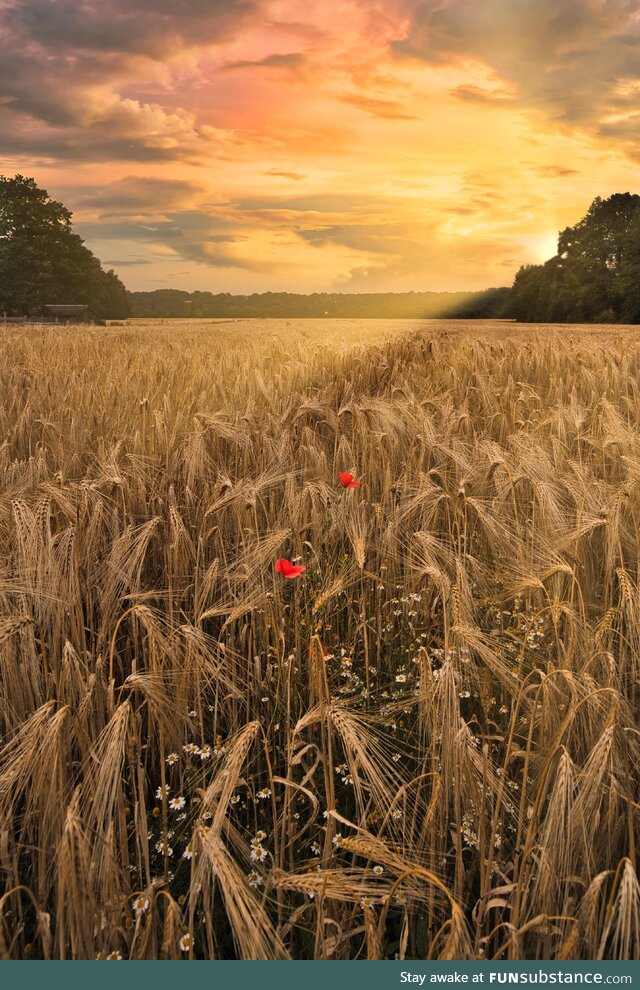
{"points": [[594, 277], [43, 261]]}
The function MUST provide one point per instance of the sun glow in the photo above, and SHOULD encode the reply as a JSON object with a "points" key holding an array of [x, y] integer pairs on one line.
{"points": [[544, 247]]}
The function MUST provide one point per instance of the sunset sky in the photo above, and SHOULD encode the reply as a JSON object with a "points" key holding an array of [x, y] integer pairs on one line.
{"points": [[350, 145]]}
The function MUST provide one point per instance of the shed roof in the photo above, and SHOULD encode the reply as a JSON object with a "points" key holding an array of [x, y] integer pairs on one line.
{"points": [[59, 309]]}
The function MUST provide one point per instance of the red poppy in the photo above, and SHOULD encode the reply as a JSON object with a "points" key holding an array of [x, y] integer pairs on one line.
{"points": [[348, 481], [325, 652], [287, 569]]}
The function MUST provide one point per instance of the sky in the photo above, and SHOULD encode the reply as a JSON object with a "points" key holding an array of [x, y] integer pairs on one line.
{"points": [[335, 145]]}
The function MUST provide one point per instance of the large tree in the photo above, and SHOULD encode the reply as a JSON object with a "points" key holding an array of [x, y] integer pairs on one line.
{"points": [[594, 276], [42, 259]]}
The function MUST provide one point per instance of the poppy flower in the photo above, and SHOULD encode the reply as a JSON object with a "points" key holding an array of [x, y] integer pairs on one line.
{"points": [[348, 481], [326, 652], [287, 569]]}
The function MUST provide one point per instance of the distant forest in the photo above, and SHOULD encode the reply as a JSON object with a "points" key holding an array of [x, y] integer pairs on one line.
{"points": [[392, 305]]}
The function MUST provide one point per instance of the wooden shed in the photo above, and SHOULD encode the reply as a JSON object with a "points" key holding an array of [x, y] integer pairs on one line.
{"points": [[59, 313]]}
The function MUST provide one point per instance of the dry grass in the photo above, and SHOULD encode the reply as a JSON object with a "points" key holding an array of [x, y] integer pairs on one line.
{"points": [[427, 747]]}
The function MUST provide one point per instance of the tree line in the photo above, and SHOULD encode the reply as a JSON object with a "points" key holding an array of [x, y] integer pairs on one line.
{"points": [[375, 305], [593, 278]]}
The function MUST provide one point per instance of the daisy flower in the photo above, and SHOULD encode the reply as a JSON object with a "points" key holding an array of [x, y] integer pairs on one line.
{"points": [[141, 904]]}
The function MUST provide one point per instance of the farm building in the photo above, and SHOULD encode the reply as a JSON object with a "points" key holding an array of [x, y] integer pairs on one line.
{"points": [[68, 314]]}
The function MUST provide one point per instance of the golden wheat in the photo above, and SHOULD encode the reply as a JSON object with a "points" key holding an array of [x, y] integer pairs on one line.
{"points": [[426, 747]]}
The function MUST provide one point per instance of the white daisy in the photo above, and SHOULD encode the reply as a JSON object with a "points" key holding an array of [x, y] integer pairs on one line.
{"points": [[141, 904]]}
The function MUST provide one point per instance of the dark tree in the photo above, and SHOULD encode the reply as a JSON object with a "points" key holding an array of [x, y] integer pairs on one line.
{"points": [[594, 276], [42, 260], [629, 280]]}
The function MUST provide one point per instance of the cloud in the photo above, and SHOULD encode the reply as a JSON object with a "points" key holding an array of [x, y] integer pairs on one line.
{"points": [[136, 195], [66, 65], [390, 239], [477, 94], [294, 176], [93, 27], [162, 218], [425, 262], [199, 235], [288, 60], [555, 171], [386, 109], [126, 262], [110, 129], [568, 60], [343, 203]]}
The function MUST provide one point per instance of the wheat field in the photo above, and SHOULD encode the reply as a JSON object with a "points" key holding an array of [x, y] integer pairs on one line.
{"points": [[426, 745]]}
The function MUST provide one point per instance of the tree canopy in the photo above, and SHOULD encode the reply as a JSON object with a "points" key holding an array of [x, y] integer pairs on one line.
{"points": [[595, 275], [42, 259]]}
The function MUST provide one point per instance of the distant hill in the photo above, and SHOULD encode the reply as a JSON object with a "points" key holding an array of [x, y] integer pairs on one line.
{"points": [[169, 303]]}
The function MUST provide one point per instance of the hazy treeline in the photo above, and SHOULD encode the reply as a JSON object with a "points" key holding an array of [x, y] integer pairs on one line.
{"points": [[393, 305]]}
